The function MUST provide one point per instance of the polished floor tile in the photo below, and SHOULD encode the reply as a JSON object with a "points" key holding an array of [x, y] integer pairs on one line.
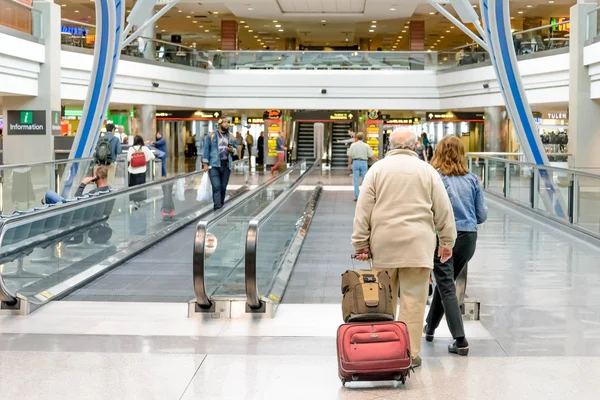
{"points": [[95, 376]]}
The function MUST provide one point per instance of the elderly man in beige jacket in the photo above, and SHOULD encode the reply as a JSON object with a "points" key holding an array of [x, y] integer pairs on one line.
{"points": [[402, 204]]}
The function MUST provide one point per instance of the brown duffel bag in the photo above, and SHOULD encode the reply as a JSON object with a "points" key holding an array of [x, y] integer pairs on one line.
{"points": [[367, 296]]}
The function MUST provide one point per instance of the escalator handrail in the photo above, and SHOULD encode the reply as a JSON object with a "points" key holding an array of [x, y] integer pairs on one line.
{"points": [[202, 298], [252, 297], [6, 295]]}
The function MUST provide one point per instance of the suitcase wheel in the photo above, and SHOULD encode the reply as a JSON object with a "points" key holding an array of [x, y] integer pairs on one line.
{"points": [[343, 381]]}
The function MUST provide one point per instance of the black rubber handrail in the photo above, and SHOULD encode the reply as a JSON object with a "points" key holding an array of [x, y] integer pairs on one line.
{"points": [[252, 296], [203, 302]]}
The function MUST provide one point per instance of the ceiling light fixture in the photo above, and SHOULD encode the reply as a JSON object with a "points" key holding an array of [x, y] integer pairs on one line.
{"points": [[392, 9], [551, 2], [179, 11], [431, 13], [275, 21], [373, 26], [215, 12], [76, 11], [194, 22], [250, 30], [242, 22], [255, 37], [371, 30], [323, 21], [529, 6], [520, 12], [281, 30], [447, 31], [63, 5], [403, 31], [207, 30], [250, 9], [374, 22], [188, 16], [277, 26], [163, 30], [400, 37]]}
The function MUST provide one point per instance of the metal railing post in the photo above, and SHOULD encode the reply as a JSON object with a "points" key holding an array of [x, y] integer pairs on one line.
{"points": [[506, 181], [574, 199], [486, 173], [536, 188]]}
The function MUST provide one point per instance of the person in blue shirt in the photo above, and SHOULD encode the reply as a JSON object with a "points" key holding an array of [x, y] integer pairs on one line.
{"points": [[116, 150], [280, 154], [217, 154], [470, 210], [161, 145]]}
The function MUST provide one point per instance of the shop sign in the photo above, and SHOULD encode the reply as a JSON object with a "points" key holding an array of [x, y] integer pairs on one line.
{"points": [[559, 115], [272, 114], [373, 129], [341, 116], [273, 130], [188, 114], [236, 120], [373, 114], [74, 31], [56, 127], [255, 121], [560, 28], [21, 122]]}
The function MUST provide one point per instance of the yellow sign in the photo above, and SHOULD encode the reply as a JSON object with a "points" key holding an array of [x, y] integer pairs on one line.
{"points": [[257, 121], [341, 116], [274, 130], [373, 129], [46, 294], [402, 121]]}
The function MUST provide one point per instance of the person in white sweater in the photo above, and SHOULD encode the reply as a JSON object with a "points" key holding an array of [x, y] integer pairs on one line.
{"points": [[138, 157], [402, 203]]}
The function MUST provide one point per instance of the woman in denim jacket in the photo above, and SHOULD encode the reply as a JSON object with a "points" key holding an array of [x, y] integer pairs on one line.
{"points": [[217, 150], [468, 204]]}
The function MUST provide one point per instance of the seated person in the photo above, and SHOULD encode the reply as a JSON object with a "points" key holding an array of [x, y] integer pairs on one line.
{"points": [[99, 178]]}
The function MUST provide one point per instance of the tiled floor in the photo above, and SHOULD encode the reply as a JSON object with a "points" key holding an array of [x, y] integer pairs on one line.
{"points": [[537, 339]]}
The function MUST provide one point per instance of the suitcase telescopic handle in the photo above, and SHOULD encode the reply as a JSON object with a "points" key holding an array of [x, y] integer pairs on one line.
{"points": [[369, 260]]}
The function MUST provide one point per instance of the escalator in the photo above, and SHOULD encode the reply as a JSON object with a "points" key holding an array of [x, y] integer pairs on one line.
{"points": [[306, 141], [339, 158]]}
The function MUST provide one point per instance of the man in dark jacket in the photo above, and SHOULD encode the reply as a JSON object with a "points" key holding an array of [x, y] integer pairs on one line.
{"points": [[161, 145]]}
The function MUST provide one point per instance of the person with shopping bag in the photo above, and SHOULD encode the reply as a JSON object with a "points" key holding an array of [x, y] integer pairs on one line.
{"points": [[217, 154]]}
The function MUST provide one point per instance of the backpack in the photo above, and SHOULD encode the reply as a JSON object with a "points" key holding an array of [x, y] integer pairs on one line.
{"points": [[138, 159], [104, 151]]}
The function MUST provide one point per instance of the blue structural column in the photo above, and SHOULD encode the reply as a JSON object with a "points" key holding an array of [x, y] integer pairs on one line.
{"points": [[110, 18], [496, 20]]}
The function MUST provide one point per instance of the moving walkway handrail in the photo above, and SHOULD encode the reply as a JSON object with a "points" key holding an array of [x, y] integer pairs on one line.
{"points": [[252, 297], [202, 297], [536, 166], [6, 295]]}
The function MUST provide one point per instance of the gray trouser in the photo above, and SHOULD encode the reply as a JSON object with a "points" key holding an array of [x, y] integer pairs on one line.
{"points": [[444, 297]]}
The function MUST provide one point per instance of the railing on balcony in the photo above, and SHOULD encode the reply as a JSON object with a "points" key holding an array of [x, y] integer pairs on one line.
{"points": [[21, 16], [540, 39]]}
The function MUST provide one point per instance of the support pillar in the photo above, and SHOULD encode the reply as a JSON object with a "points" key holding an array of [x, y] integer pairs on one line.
{"points": [[149, 46], [416, 42], [145, 115], [364, 44], [495, 132], [31, 123], [290, 44], [584, 113], [229, 35]]}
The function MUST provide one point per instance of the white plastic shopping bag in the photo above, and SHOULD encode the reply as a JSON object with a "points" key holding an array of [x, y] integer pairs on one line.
{"points": [[180, 190], [204, 190]]}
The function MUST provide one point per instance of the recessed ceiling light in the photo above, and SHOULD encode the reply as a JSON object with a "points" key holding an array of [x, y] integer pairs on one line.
{"points": [[431, 13], [194, 22], [452, 27], [371, 30], [374, 22], [441, 37], [201, 26], [323, 21], [281, 30], [277, 26], [250, 30], [277, 38], [242, 22], [474, 5], [529, 6], [76, 11], [207, 30], [163, 30], [63, 5], [250, 9], [255, 37], [179, 11], [447, 31], [373, 26], [400, 37], [215, 12], [265, 47], [520, 12], [551, 2], [188, 16], [275, 20], [403, 31], [438, 40], [392, 9], [246, 26], [512, 17], [156, 26]]}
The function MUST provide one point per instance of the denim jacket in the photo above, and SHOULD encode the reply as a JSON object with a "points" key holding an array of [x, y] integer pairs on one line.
{"points": [[468, 204], [210, 152]]}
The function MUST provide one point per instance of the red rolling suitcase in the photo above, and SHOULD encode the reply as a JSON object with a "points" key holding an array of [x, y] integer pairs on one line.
{"points": [[373, 351]]}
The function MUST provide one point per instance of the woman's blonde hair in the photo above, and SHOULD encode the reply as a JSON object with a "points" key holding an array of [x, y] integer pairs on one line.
{"points": [[449, 157]]}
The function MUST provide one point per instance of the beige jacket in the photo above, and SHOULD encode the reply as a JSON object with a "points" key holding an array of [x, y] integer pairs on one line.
{"points": [[402, 203]]}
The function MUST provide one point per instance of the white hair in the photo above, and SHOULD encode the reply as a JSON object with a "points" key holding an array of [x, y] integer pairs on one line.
{"points": [[403, 138]]}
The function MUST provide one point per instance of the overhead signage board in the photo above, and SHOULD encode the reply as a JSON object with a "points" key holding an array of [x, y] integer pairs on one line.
{"points": [[403, 121], [188, 114], [255, 121], [272, 114], [236, 120], [455, 116], [341, 116], [208, 114], [22, 122], [564, 26]]}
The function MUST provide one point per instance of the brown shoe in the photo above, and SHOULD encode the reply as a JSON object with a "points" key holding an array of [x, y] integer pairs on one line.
{"points": [[416, 362]]}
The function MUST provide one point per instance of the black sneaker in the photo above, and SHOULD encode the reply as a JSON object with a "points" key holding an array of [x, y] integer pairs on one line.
{"points": [[428, 335], [461, 351]]}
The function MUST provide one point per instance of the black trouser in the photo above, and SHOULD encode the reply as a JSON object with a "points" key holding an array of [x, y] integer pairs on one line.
{"points": [[444, 298], [134, 180], [219, 179]]}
